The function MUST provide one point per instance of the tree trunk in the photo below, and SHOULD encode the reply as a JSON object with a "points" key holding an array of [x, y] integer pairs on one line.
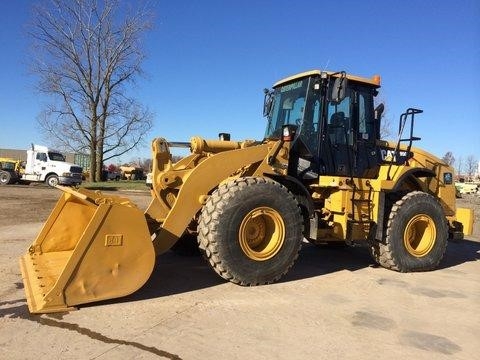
{"points": [[99, 163], [93, 165]]}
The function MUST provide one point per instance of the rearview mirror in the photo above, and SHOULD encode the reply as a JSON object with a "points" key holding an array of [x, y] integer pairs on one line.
{"points": [[379, 111], [267, 102]]}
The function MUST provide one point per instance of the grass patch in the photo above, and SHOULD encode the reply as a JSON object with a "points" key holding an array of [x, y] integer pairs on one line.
{"points": [[134, 185]]}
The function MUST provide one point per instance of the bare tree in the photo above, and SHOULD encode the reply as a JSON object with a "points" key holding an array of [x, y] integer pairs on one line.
{"points": [[471, 166], [448, 158], [86, 52], [459, 166]]}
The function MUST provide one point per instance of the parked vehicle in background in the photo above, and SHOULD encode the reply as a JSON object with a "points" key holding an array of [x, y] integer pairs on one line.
{"points": [[43, 165], [467, 187], [132, 173], [114, 175], [111, 175], [10, 171], [149, 180]]}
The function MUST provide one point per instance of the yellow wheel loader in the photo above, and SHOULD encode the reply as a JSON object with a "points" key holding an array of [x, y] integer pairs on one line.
{"points": [[10, 171], [321, 173]]}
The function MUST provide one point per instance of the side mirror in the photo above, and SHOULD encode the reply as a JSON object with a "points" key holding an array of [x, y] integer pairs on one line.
{"points": [[339, 89], [377, 116], [267, 102], [379, 111]]}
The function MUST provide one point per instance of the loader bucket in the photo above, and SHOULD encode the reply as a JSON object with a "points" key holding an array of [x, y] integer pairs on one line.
{"points": [[92, 247]]}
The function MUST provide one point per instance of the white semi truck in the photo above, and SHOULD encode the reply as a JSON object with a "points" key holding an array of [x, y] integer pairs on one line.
{"points": [[49, 166]]}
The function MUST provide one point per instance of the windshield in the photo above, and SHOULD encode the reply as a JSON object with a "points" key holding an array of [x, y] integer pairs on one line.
{"points": [[288, 107], [8, 165], [56, 156]]}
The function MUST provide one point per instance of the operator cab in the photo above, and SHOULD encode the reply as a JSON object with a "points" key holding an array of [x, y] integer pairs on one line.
{"points": [[336, 125]]}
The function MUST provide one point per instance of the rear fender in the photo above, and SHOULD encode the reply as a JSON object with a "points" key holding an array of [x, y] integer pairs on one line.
{"points": [[411, 178]]}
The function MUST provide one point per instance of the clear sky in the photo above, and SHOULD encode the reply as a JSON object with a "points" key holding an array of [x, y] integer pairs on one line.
{"points": [[208, 62]]}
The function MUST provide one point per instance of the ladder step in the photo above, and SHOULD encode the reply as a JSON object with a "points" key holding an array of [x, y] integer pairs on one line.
{"points": [[360, 221]]}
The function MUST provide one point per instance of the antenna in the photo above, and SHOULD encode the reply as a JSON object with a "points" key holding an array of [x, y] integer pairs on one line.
{"points": [[326, 66]]}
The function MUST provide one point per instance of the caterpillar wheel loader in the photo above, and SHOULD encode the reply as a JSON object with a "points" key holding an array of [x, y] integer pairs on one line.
{"points": [[321, 173]]}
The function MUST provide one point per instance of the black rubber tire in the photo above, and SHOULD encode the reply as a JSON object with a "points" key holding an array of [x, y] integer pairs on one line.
{"points": [[5, 177], [221, 222], [51, 180], [396, 251]]}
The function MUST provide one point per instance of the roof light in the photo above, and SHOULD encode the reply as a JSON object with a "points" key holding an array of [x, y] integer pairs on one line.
{"points": [[376, 79]]}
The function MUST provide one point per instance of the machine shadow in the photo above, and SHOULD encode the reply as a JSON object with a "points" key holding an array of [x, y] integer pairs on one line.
{"points": [[176, 274], [459, 252], [326, 259]]}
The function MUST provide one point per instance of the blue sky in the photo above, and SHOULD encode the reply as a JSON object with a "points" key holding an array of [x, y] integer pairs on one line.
{"points": [[208, 62]]}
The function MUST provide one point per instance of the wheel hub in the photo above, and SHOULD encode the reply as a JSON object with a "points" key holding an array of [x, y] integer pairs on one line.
{"points": [[419, 235], [262, 233]]}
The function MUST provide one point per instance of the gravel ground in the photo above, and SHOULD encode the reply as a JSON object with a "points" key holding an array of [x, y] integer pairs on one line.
{"points": [[333, 304]]}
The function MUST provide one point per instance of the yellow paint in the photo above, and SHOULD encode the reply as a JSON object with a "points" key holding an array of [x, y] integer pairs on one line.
{"points": [[419, 235], [91, 248], [262, 233], [465, 217]]}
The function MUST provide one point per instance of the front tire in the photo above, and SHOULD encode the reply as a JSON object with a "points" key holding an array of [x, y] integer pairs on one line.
{"points": [[416, 234], [52, 180], [251, 231]]}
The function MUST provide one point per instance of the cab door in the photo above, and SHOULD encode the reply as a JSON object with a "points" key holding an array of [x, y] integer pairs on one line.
{"points": [[366, 152], [338, 139], [40, 163], [349, 141]]}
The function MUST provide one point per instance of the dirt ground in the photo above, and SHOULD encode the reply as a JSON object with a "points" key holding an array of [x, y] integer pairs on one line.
{"points": [[333, 304]]}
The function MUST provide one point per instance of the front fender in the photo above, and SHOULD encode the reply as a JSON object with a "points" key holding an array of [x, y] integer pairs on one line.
{"points": [[198, 185]]}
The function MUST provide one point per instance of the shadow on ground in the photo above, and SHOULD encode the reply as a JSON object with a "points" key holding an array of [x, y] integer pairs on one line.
{"points": [[175, 274], [460, 252]]}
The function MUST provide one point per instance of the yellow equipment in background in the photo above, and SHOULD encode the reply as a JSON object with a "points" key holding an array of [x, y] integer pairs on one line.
{"points": [[321, 172], [10, 171]]}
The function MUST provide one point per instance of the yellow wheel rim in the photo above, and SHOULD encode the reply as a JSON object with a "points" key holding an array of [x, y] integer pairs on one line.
{"points": [[262, 233], [420, 234]]}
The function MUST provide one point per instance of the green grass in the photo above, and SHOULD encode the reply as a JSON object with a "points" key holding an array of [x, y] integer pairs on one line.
{"points": [[135, 185]]}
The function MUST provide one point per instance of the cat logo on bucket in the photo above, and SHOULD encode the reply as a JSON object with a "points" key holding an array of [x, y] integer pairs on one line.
{"points": [[113, 240]]}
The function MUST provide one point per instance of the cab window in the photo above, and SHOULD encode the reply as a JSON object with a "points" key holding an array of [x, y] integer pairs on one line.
{"points": [[42, 156], [366, 128], [339, 121]]}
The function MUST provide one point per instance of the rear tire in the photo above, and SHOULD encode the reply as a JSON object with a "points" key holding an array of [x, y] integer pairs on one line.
{"points": [[416, 235], [5, 177], [251, 231]]}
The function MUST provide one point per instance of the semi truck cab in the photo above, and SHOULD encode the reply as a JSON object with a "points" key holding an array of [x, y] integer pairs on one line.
{"points": [[48, 165]]}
